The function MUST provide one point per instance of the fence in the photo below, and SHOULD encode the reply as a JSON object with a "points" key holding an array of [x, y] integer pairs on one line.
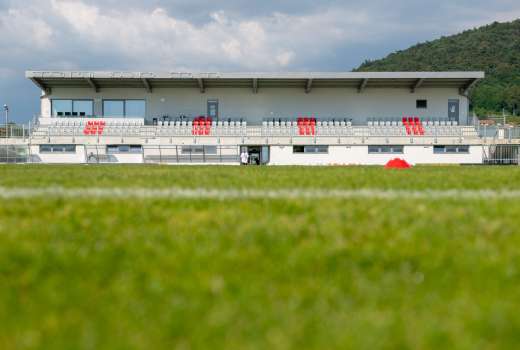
{"points": [[14, 154], [15, 131], [167, 154], [501, 155], [196, 154]]}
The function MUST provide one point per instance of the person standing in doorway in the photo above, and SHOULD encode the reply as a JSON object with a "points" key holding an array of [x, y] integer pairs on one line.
{"points": [[244, 157]]}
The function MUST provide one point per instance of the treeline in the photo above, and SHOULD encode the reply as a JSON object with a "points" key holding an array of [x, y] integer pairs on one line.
{"points": [[494, 48]]}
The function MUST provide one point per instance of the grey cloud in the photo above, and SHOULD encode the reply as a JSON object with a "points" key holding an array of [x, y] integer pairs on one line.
{"points": [[244, 35]]}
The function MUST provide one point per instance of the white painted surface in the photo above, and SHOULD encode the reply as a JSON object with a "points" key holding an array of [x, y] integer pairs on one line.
{"points": [[128, 158], [358, 155], [324, 103], [60, 158]]}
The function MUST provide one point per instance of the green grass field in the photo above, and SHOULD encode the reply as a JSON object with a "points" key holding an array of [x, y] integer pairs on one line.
{"points": [[101, 273]]}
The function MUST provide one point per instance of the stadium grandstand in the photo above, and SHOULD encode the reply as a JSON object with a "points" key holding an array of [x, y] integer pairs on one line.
{"points": [[275, 118]]}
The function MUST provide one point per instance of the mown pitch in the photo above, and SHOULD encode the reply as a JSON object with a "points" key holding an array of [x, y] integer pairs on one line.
{"points": [[256, 273]]}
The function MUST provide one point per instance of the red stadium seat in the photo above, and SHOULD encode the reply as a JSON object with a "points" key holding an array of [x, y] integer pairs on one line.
{"points": [[301, 127], [207, 129], [307, 126], [407, 125], [313, 126], [420, 127]]}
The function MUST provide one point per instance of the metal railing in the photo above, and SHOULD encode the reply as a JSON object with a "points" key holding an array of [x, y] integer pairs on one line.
{"points": [[15, 131], [14, 154], [256, 131], [175, 154], [501, 154]]}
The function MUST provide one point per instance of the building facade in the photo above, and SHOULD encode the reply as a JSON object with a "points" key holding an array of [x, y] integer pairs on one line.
{"points": [[279, 119]]}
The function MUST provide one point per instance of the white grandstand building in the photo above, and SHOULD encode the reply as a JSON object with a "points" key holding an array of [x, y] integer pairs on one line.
{"points": [[278, 118]]}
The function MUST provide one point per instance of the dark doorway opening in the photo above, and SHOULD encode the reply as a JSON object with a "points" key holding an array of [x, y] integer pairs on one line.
{"points": [[258, 155]]}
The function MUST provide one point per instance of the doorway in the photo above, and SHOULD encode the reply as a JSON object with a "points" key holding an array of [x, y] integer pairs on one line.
{"points": [[453, 110], [213, 109], [258, 155]]}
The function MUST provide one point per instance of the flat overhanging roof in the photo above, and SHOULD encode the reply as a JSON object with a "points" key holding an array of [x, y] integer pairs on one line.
{"points": [[47, 80]]}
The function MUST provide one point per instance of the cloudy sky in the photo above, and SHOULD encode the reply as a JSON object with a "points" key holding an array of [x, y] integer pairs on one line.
{"points": [[226, 35]]}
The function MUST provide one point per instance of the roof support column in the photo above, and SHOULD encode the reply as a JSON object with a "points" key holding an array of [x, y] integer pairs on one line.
{"points": [[464, 91], [308, 86], [362, 85], [92, 84], [255, 85], [202, 88], [147, 85], [417, 85]]}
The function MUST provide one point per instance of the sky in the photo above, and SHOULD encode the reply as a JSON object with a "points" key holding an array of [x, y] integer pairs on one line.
{"points": [[217, 36]]}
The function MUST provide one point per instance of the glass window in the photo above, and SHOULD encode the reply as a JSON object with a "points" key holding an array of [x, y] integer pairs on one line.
{"points": [[112, 149], [75, 108], [422, 104], [83, 108], [199, 150], [61, 108], [392, 149], [451, 149], [114, 108], [135, 108], [311, 149], [57, 148], [124, 108]]}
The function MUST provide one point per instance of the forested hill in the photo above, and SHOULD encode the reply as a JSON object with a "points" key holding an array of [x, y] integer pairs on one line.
{"points": [[494, 48]]}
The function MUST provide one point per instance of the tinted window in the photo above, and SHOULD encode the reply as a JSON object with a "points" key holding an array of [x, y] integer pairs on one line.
{"points": [[83, 108], [135, 108], [112, 108], [393, 149], [112, 149], [60, 108], [199, 149], [451, 149], [422, 104], [57, 148], [311, 149]]}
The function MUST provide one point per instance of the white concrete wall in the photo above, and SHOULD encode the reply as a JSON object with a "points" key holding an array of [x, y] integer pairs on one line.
{"points": [[358, 155], [60, 158], [283, 155], [281, 102], [128, 158]]}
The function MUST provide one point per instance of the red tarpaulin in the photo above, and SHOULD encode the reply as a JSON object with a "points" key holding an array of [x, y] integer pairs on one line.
{"points": [[397, 164]]}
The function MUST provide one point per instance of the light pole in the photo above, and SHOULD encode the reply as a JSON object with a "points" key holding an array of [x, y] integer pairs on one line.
{"points": [[6, 109]]}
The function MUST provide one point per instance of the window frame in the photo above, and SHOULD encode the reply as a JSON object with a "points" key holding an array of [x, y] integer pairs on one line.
{"points": [[391, 149], [71, 112], [55, 148], [306, 149], [188, 149], [447, 149], [124, 106], [420, 101], [112, 100], [132, 149]]}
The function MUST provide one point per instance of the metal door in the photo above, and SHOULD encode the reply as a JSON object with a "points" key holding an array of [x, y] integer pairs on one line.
{"points": [[213, 109], [453, 110]]}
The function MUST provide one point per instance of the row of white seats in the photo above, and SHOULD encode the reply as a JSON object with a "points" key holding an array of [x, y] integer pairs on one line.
{"points": [[213, 123], [189, 130], [429, 130], [108, 122], [111, 130], [424, 123], [295, 123]]}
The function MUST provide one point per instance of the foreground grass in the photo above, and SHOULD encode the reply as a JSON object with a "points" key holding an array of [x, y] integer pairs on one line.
{"points": [[451, 177], [255, 274]]}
